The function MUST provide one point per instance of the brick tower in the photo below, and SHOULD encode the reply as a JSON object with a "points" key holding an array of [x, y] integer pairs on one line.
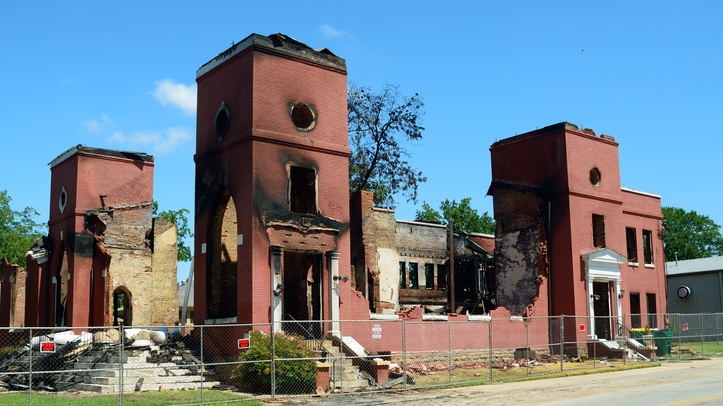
{"points": [[272, 200]]}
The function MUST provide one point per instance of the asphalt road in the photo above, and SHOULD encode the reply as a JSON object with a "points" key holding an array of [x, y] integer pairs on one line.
{"points": [[684, 383]]}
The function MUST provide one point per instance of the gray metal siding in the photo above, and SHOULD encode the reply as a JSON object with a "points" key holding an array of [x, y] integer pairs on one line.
{"points": [[706, 293]]}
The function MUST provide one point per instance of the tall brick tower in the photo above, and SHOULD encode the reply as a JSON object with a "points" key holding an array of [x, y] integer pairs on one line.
{"points": [[272, 195]]}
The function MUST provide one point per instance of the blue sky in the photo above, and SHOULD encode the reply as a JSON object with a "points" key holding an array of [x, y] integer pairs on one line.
{"points": [[121, 75]]}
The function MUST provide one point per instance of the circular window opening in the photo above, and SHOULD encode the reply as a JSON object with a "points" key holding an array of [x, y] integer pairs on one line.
{"points": [[62, 200], [223, 119], [595, 177], [303, 116]]}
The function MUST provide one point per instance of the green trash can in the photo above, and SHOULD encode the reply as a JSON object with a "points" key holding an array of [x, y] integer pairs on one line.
{"points": [[663, 341]]}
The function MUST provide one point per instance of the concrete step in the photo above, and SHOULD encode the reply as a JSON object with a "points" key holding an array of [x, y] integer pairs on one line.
{"points": [[351, 385], [104, 380], [99, 388]]}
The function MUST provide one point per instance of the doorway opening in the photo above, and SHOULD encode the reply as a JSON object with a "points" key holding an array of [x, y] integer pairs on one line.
{"points": [[301, 300], [601, 306]]}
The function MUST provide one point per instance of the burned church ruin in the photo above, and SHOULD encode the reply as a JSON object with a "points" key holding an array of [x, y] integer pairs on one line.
{"points": [[105, 261]]}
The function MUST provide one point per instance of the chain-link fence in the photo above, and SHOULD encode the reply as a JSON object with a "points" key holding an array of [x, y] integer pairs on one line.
{"points": [[302, 358]]}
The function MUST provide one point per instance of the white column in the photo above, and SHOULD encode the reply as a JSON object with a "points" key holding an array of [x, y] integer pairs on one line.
{"points": [[591, 309], [334, 292], [276, 287]]}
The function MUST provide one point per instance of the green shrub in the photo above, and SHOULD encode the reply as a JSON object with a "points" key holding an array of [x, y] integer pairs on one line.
{"points": [[294, 365]]}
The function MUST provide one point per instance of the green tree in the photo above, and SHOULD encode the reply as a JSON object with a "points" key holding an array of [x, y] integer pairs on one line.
{"points": [[689, 235], [378, 123], [184, 230], [429, 215], [464, 216], [18, 230]]}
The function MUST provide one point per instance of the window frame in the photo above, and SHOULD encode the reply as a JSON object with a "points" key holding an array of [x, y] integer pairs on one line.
{"points": [[413, 275], [648, 248], [298, 195], [631, 239], [598, 231]]}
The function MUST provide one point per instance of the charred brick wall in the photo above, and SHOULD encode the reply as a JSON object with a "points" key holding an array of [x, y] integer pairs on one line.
{"points": [[12, 295], [520, 249]]}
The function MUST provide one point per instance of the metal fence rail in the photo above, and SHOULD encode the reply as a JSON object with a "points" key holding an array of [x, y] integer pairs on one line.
{"points": [[301, 358]]}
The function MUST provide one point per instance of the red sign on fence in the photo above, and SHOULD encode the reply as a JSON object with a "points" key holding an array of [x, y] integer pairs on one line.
{"points": [[244, 343], [685, 327], [581, 327], [47, 346]]}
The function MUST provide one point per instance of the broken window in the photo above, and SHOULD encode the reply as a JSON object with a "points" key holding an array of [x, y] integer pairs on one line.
{"points": [[402, 275], [632, 244], [598, 230], [648, 247], [635, 310], [429, 276], [413, 275], [302, 194], [652, 310]]}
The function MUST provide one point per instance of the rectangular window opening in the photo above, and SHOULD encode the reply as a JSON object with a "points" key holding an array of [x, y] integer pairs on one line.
{"points": [[652, 310], [302, 193], [632, 244], [442, 271], [402, 275], [648, 247], [429, 276], [635, 310], [598, 230], [413, 275]]}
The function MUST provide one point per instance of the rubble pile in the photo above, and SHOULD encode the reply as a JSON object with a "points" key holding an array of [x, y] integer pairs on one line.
{"points": [[427, 369], [15, 367], [80, 359]]}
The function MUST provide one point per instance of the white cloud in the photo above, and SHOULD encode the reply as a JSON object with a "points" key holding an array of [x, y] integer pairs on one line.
{"points": [[176, 94], [332, 32], [96, 125], [159, 141]]}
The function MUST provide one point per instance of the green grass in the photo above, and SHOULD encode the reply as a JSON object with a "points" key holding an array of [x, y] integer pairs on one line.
{"points": [[144, 398], [705, 348], [467, 377]]}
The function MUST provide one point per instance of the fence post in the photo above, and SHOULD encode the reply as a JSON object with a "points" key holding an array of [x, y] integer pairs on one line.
{"points": [[490, 345], [30, 384], [527, 345], [562, 343], [404, 353], [273, 361], [702, 337], [342, 355], [625, 343], [122, 340], [449, 351], [203, 367], [680, 335]]}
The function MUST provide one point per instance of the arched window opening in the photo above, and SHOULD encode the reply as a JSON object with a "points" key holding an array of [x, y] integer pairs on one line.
{"points": [[122, 312], [221, 284], [61, 289]]}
